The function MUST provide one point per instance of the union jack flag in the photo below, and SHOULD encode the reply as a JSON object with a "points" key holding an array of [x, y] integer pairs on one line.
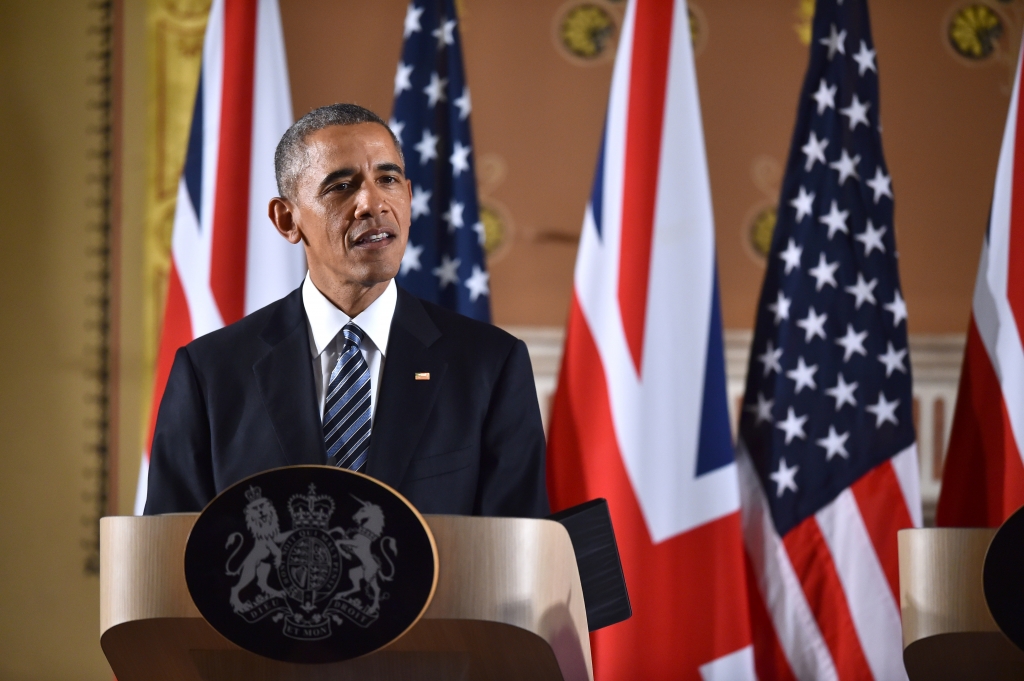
{"points": [[983, 476], [227, 260], [640, 416]]}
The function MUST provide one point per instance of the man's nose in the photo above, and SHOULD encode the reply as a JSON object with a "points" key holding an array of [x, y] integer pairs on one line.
{"points": [[369, 201]]}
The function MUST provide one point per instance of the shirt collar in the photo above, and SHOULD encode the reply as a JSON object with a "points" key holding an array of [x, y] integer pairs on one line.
{"points": [[326, 320]]}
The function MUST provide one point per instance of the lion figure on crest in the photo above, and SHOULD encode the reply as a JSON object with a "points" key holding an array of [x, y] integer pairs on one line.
{"points": [[370, 525], [262, 521]]}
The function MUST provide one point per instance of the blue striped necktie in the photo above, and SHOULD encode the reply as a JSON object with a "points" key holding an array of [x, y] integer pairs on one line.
{"points": [[347, 407]]}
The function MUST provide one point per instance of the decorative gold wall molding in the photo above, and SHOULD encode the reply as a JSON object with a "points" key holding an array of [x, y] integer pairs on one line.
{"points": [[759, 222], [586, 33], [985, 34], [804, 14]]}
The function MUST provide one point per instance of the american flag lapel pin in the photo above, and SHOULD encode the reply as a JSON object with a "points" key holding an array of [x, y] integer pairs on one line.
{"points": [[422, 376]]}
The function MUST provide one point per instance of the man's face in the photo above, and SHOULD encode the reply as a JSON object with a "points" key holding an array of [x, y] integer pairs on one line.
{"points": [[351, 206]]}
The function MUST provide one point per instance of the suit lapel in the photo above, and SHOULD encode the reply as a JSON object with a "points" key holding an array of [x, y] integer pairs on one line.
{"points": [[404, 403], [285, 379]]}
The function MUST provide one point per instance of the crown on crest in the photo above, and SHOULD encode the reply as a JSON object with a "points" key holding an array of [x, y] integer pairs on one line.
{"points": [[310, 509], [253, 493]]}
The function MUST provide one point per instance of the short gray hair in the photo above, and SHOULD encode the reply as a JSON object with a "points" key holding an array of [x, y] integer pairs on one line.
{"points": [[291, 150]]}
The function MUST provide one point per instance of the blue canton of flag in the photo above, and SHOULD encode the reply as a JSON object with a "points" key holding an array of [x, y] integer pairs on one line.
{"points": [[444, 259], [828, 394]]}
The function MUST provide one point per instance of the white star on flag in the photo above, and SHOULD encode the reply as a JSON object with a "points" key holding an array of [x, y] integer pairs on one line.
{"points": [[824, 273], [836, 220], [825, 96], [846, 166], [803, 375], [780, 307], [447, 271], [871, 238], [884, 411], [813, 325], [852, 342], [793, 426], [843, 393], [412, 20], [785, 478], [762, 410], [411, 258], [856, 112], [835, 42], [881, 184], [445, 33], [834, 444], [770, 359], [396, 128], [791, 256], [454, 216], [814, 150], [459, 159], [435, 90], [802, 203], [898, 308], [478, 283], [862, 291], [481, 232], [865, 59], [420, 202], [427, 147], [463, 104], [403, 78], [893, 360]]}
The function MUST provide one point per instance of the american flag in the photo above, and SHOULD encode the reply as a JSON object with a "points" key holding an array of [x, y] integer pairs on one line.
{"points": [[227, 260], [444, 259], [827, 449]]}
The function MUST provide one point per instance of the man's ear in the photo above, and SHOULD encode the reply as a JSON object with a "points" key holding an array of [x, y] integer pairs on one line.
{"points": [[281, 212]]}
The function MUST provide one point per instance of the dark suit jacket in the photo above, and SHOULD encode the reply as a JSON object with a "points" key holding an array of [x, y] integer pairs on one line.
{"points": [[242, 400]]}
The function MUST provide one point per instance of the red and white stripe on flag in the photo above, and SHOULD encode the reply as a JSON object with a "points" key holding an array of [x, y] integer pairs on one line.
{"points": [[825, 597], [627, 416], [983, 479], [227, 260]]}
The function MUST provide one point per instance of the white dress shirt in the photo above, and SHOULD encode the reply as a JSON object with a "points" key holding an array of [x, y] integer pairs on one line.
{"points": [[326, 340]]}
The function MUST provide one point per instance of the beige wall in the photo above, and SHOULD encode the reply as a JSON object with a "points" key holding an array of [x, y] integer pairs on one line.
{"points": [[133, 374], [48, 602]]}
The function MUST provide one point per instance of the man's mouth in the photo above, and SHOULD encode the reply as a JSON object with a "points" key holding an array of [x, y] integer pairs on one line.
{"points": [[374, 238]]}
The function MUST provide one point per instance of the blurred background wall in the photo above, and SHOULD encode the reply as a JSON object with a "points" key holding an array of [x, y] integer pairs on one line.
{"points": [[81, 288], [52, 432]]}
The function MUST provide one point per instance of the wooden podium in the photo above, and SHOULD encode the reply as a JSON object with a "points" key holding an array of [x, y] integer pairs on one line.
{"points": [[508, 605], [948, 631]]}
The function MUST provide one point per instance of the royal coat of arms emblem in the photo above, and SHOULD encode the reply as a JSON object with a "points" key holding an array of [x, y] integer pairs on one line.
{"points": [[337, 562], [311, 561]]}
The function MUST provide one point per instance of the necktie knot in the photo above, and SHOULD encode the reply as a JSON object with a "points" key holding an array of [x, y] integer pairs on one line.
{"points": [[353, 334]]}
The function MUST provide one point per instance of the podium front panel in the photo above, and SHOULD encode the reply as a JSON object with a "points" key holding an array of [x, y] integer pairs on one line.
{"points": [[508, 605]]}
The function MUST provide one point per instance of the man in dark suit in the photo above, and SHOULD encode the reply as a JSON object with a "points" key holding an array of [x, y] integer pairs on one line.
{"points": [[349, 369]]}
